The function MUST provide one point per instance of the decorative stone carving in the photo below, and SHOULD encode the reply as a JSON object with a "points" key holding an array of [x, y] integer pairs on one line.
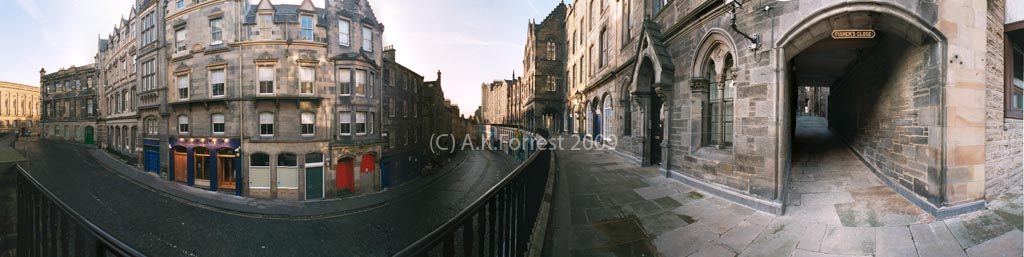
{"points": [[699, 85]]}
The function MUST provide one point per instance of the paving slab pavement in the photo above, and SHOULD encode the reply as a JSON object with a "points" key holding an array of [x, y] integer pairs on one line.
{"points": [[853, 216]]}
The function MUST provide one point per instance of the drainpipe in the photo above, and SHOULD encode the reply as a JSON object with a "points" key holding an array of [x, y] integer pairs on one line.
{"points": [[240, 102]]}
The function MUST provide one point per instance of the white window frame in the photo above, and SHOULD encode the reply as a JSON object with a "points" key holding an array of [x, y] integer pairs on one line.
{"points": [[260, 69], [186, 86], [181, 40], [307, 118], [367, 39], [216, 31], [266, 118], [307, 74], [303, 30], [344, 32], [345, 118], [223, 81], [183, 121], [345, 82], [361, 120], [214, 121], [360, 82]]}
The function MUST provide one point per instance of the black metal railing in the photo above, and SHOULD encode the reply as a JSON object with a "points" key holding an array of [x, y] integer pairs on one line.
{"points": [[48, 227], [499, 223]]}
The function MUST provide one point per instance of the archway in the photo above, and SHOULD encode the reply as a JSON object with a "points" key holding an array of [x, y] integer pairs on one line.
{"points": [[654, 123], [884, 96]]}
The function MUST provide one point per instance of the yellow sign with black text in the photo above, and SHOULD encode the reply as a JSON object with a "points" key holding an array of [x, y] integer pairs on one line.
{"points": [[853, 33]]}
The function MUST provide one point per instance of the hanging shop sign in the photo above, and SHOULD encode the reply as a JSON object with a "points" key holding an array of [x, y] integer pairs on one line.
{"points": [[853, 33]]}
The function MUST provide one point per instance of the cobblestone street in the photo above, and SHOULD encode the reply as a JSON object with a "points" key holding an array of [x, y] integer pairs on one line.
{"points": [[610, 207], [160, 225]]}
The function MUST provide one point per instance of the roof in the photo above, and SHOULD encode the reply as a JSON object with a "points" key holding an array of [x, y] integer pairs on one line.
{"points": [[284, 13]]}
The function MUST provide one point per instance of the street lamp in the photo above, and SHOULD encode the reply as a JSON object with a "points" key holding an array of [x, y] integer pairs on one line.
{"points": [[736, 4]]}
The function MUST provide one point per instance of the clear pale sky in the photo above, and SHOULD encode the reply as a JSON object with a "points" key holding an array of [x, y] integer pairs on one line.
{"points": [[470, 41]]}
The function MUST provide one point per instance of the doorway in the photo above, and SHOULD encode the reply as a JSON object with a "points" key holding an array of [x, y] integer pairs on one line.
{"points": [[89, 135], [856, 112], [180, 164], [345, 176], [226, 169], [201, 155], [314, 176]]}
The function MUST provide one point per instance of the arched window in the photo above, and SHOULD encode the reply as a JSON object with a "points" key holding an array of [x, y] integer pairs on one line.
{"points": [[718, 113], [266, 124], [150, 126]]}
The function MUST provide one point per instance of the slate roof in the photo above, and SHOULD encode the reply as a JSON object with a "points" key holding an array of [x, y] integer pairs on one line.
{"points": [[284, 13]]}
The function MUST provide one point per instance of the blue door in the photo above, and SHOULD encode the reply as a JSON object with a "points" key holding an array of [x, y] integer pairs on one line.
{"points": [[385, 173], [152, 158]]}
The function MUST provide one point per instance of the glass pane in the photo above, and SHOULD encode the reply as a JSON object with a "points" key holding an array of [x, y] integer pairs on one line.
{"points": [[287, 160]]}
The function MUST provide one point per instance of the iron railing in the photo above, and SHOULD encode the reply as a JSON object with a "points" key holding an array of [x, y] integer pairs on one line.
{"points": [[48, 227], [500, 222]]}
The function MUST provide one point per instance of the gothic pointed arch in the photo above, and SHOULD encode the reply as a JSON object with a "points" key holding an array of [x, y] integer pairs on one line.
{"points": [[651, 48]]}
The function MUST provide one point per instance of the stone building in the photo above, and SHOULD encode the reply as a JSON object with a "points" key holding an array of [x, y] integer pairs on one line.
{"points": [[274, 101], [19, 107], [544, 78], [694, 87], [69, 104], [151, 95], [495, 102], [116, 63], [1004, 97], [406, 139]]}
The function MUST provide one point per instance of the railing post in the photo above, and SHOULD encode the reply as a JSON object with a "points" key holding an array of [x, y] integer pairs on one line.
{"points": [[467, 238]]}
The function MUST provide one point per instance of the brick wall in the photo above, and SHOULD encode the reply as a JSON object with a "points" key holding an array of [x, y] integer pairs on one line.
{"points": [[1003, 137]]}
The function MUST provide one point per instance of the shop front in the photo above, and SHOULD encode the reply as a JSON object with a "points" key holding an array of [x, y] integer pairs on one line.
{"points": [[208, 163]]}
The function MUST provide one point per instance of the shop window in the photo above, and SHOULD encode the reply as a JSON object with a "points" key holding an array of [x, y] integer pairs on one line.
{"points": [[259, 171]]}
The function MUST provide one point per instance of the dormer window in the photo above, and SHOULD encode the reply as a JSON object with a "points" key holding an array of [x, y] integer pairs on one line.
{"points": [[306, 22], [266, 23]]}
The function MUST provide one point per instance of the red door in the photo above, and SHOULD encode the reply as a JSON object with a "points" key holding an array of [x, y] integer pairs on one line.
{"points": [[344, 174], [368, 164]]}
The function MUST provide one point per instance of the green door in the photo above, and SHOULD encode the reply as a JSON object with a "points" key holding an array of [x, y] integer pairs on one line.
{"points": [[88, 135], [314, 183]]}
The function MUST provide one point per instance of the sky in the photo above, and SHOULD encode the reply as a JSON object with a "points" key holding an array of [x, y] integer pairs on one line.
{"points": [[469, 41]]}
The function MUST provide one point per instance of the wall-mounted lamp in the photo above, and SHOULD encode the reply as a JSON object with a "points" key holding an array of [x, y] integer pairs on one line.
{"points": [[736, 4]]}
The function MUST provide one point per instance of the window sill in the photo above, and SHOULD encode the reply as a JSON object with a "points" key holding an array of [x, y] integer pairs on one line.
{"points": [[710, 153]]}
